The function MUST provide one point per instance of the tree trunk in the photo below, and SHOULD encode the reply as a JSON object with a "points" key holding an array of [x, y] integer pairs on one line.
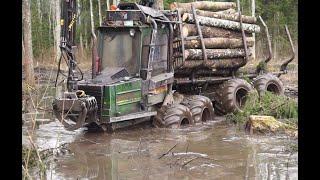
{"points": [[214, 22], [39, 10], [158, 4], [193, 54], [23, 50], [253, 14], [219, 43], [231, 17], [99, 10], [80, 29], [115, 2], [107, 4], [210, 32], [27, 39], [57, 30], [203, 5], [85, 36], [52, 22], [217, 63], [91, 19], [49, 20]]}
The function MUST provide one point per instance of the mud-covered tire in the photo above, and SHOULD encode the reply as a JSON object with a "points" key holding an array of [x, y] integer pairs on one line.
{"points": [[230, 95], [201, 108], [268, 82], [172, 116]]}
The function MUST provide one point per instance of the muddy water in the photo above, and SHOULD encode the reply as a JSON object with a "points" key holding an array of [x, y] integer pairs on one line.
{"points": [[214, 150]]}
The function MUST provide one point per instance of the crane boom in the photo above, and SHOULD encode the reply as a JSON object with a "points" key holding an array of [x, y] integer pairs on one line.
{"points": [[68, 32]]}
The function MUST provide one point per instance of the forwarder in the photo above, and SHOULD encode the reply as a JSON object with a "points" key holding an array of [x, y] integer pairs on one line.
{"points": [[140, 73]]}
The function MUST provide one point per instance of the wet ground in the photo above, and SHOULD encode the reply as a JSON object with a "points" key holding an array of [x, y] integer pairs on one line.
{"points": [[213, 150]]}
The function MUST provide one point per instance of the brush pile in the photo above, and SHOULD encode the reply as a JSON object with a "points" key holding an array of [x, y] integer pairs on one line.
{"points": [[219, 23]]}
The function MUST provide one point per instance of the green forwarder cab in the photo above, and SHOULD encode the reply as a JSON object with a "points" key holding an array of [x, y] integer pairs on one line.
{"points": [[130, 75]]}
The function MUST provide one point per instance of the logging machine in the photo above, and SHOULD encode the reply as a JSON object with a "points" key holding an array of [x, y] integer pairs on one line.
{"points": [[141, 71]]}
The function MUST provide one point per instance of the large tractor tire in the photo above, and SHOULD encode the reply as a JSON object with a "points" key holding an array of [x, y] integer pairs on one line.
{"points": [[231, 96], [268, 82], [201, 108], [173, 116]]}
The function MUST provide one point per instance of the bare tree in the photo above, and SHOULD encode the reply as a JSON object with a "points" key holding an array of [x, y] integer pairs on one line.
{"points": [[253, 13], [91, 19], [39, 10], [57, 29], [99, 10], [79, 23], [107, 4], [115, 2], [27, 39], [158, 4], [49, 18]]}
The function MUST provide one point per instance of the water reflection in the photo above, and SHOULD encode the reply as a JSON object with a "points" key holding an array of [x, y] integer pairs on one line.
{"points": [[207, 151]]}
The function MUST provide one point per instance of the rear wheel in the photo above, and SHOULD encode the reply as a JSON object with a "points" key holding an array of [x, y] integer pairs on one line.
{"points": [[231, 95], [173, 116], [201, 108], [268, 82]]}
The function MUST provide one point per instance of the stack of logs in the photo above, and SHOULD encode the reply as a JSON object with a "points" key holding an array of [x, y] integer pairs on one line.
{"points": [[220, 26]]}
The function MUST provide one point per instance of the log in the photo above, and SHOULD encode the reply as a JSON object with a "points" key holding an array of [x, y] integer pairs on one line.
{"points": [[210, 32], [231, 17], [184, 72], [193, 54], [217, 63], [228, 11], [203, 5], [215, 22], [267, 124], [219, 43]]}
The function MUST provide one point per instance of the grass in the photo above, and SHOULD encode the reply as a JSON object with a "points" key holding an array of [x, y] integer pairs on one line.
{"points": [[280, 107]]}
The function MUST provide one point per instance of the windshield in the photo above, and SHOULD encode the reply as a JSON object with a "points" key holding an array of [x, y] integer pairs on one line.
{"points": [[120, 49]]}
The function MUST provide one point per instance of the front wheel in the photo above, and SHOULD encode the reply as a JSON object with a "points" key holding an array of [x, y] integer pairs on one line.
{"points": [[173, 116], [201, 108]]}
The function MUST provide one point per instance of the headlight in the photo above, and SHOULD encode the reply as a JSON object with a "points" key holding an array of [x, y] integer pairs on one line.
{"points": [[132, 32]]}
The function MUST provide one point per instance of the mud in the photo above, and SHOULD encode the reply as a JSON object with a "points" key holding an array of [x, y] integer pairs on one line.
{"points": [[213, 150]]}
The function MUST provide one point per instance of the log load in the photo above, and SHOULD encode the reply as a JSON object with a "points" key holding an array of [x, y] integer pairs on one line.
{"points": [[194, 54], [203, 5], [209, 32], [218, 42], [214, 22], [231, 63], [183, 72]]}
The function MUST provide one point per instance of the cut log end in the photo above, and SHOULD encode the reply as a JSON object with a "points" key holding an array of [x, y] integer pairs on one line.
{"points": [[185, 31]]}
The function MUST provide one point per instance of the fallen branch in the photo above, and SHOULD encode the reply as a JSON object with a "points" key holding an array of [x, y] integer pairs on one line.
{"points": [[168, 151], [189, 161]]}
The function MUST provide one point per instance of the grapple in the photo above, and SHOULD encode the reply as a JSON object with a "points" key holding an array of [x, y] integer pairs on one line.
{"points": [[75, 109]]}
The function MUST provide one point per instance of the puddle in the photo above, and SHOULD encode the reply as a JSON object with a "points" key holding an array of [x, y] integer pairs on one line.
{"points": [[206, 151]]}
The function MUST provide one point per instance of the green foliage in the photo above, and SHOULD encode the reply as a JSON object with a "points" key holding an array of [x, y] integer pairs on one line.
{"points": [[262, 66], [280, 107], [30, 160]]}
